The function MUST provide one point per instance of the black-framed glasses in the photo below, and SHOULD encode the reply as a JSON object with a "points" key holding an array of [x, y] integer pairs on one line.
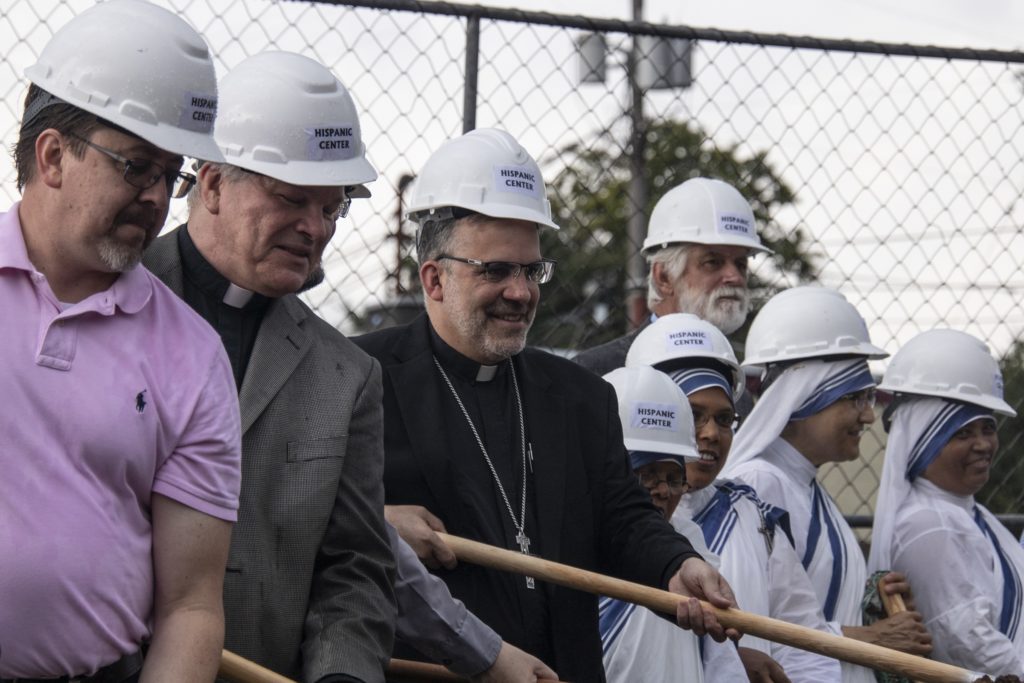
{"points": [[725, 419], [144, 173], [499, 271], [650, 481], [865, 398]]}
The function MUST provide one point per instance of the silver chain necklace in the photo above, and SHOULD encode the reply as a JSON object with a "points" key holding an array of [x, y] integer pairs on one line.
{"points": [[520, 524]]}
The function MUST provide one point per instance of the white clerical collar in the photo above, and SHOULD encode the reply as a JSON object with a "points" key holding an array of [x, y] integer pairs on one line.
{"points": [[486, 373], [236, 297]]}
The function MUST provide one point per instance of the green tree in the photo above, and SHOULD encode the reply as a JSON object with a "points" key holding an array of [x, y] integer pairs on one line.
{"points": [[1004, 492], [585, 305]]}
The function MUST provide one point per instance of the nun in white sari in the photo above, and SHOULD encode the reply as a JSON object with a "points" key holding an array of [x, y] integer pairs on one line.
{"points": [[819, 397], [750, 537], [637, 644], [966, 568]]}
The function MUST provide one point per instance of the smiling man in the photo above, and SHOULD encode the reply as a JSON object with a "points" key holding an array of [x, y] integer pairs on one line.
{"points": [[308, 591], [510, 445], [700, 238], [119, 469]]}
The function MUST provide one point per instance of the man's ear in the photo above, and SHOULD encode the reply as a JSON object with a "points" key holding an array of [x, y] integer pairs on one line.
{"points": [[664, 285], [211, 182], [51, 148], [430, 278]]}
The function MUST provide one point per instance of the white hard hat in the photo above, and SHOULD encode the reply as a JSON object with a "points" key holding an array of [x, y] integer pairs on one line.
{"points": [[703, 211], [655, 414], [680, 337], [948, 364], [287, 116], [808, 322], [484, 171], [139, 67]]}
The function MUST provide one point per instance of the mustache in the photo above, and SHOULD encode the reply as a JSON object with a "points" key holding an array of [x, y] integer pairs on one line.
{"points": [[144, 216], [507, 308], [729, 292]]}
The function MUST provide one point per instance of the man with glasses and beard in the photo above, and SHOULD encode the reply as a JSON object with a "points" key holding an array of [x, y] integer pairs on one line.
{"points": [[119, 469], [699, 239], [509, 445]]}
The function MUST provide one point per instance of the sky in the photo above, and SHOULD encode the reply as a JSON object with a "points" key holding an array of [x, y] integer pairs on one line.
{"points": [[992, 24], [988, 24]]}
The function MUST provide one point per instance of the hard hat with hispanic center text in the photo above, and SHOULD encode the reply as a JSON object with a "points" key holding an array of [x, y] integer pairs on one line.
{"points": [[702, 211], [139, 67], [287, 116], [655, 414], [808, 322], [684, 337], [485, 171], [948, 364]]}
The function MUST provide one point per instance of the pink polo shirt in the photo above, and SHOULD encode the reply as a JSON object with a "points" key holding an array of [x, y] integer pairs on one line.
{"points": [[124, 394]]}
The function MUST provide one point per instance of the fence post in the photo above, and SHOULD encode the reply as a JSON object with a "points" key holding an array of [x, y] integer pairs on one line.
{"points": [[472, 72]]}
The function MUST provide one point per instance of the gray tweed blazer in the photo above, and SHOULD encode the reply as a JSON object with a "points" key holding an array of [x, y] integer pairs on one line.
{"points": [[308, 589]]}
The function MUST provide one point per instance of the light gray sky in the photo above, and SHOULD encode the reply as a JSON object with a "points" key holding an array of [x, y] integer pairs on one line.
{"points": [[989, 24]]}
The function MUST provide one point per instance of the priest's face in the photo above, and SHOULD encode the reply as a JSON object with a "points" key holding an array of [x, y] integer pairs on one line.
{"points": [[480, 317], [272, 234]]}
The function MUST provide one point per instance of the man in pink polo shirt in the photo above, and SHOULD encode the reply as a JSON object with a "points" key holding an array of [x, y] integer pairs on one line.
{"points": [[119, 457]]}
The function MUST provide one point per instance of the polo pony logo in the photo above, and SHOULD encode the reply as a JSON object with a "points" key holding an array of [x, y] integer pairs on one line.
{"points": [[140, 401]]}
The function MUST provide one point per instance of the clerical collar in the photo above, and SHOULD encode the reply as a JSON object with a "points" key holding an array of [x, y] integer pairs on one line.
{"points": [[466, 368], [214, 285]]}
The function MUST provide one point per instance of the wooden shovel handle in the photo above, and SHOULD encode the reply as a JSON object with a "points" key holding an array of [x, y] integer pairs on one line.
{"points": [[237, 669], [893, 604], [846, 649]]}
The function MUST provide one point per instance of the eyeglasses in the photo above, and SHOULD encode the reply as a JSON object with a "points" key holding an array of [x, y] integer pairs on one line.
{"points": [[726, 419], [650, 481], [499, 271], [863, 399], [144, 174]]}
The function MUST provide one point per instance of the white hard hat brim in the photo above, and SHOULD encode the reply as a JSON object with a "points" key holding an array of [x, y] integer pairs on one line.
{"points": [[509, 211], [869, 351], [355, 173], [650, 246], [681, 450], [990, 402]]}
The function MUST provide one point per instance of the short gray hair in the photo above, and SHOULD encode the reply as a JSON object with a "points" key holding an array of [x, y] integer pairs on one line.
{"points": [[228, 172], [673, 260]]}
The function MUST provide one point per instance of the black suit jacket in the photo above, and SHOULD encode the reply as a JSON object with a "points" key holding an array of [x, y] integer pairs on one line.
{"points": [[609, 356], [591, 511]]}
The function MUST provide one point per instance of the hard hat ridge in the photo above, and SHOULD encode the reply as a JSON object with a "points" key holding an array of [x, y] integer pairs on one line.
{"points": [[485, 171], [702, 211], [287, 116], [140, 67]]}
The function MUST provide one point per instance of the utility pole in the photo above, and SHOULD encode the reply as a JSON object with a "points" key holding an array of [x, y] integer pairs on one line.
{"points": [[636, 269], [399, 235]]}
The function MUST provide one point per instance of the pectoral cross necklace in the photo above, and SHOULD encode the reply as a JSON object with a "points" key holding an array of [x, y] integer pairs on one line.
{"points": [[520, 524]]}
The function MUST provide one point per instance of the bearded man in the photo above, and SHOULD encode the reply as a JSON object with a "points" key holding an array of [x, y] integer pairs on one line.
{"points": [[699, 239]]}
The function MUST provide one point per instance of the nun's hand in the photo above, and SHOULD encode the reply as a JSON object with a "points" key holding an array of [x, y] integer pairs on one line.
{"points": [[698, 580]]}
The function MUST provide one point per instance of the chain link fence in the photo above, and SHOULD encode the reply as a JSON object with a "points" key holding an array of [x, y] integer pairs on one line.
{"points": [[890, 172]]}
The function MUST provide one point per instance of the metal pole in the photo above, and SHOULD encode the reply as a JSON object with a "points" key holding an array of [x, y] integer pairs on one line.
{"points": [[636, 269], [472, 72], [400, 238]]}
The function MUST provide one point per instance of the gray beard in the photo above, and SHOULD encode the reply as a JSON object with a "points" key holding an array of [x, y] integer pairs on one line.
{"points": [[316, 277], [706, 306], [116, 256]]}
